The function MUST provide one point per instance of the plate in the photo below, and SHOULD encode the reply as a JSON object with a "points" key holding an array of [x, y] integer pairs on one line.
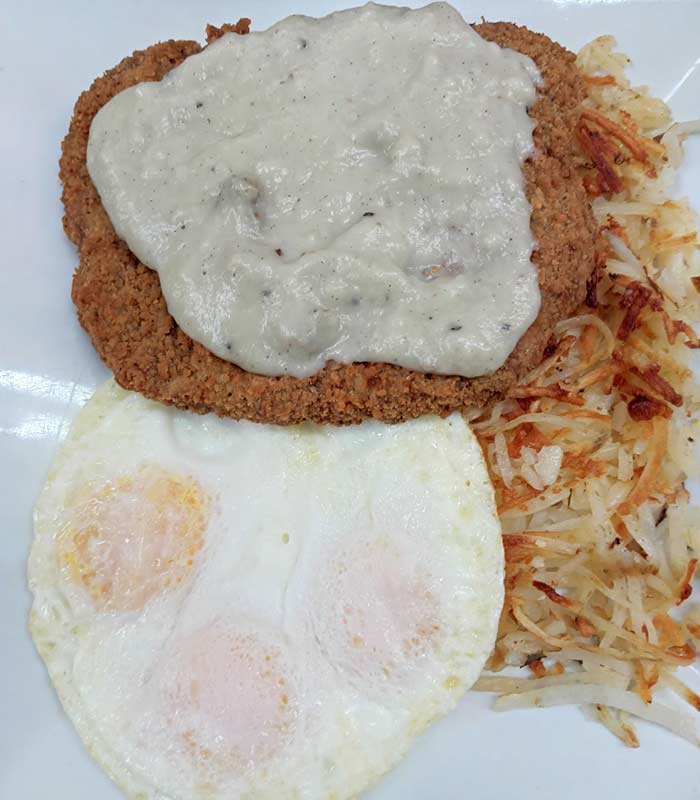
{"points": [[50, 53]]}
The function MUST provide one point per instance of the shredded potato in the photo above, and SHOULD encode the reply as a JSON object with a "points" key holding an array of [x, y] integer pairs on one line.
{"points": [[679, 723], [590, 454]]}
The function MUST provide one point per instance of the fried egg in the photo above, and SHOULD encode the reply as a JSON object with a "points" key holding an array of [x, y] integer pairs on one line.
{"points": [[229, 609]]}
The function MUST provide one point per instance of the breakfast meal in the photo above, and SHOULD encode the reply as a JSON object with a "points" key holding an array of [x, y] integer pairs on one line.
{"points": [[423, 285], [373, 264]]}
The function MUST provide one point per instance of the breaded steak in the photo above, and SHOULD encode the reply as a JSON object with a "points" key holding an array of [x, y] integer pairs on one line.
{"points": [[121, 306]]}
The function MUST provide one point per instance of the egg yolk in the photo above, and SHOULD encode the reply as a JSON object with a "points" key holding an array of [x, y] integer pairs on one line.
{"points": [[134, 537], [230, 698], [379, 614]]}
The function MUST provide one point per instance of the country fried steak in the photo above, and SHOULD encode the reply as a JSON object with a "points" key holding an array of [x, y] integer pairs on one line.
{"points": [[121, 306]]}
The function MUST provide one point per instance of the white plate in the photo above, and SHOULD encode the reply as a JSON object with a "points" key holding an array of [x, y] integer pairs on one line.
{"points": [[49, 53]]}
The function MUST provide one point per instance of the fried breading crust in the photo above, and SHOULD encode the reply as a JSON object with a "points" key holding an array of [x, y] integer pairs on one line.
{"points": [[121, 306]]}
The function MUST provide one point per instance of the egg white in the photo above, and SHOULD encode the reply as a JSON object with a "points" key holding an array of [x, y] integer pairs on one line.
{"points": [[344, 593]]}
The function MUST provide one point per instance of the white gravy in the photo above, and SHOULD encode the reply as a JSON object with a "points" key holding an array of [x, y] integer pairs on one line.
{"points": [[346, 188]]}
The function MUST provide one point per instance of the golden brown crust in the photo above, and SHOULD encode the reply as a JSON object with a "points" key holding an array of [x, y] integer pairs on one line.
{"points": [[121, 306]]}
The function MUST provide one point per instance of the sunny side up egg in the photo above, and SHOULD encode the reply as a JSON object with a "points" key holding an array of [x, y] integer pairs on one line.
{"points": [[237, 610]]}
